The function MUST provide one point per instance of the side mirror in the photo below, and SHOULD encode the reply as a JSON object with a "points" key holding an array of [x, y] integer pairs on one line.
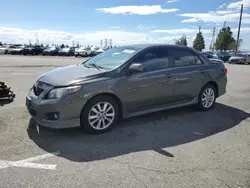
{"points": [[135, 68]]}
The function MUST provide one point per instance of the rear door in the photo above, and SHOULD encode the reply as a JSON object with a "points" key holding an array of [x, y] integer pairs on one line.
{"points": [[188, 73]]}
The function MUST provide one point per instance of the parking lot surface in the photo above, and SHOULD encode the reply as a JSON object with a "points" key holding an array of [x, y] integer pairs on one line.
{"points": [[175, 148]]}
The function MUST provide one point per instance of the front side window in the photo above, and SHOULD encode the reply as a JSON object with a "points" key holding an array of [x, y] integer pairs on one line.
{"points": [[182, 58], [154, 59]]}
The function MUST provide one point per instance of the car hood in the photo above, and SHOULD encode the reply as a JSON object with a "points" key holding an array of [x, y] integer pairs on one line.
{"points": [[80, 50], [16, 49], [51, 50], [216, 60], [28, 48], [65, 76], [235, 57]]}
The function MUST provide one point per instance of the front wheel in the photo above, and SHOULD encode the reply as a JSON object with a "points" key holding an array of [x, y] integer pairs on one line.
{"points": [[99, 115], [207, 97]]}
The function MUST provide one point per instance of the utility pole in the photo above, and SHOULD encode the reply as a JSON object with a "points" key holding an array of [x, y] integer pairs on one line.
{"points": [[238, 36], [212, 41], [199, 29]]}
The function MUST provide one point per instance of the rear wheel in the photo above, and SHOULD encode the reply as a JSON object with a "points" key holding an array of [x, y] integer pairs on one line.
{"points": [[99, 115], [207, 97]]}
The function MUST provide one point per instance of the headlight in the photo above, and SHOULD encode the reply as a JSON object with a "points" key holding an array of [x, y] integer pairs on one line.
{"points": [[59, 92]]}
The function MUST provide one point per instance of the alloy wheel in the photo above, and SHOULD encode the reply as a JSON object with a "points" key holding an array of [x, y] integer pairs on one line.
{"points": [[101, 115], [207, 98]]}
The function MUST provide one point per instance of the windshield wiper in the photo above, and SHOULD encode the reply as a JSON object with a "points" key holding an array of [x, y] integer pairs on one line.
{"points": [[96, 66]]}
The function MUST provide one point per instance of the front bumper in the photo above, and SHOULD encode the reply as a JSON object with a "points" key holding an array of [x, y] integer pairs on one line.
{"points": [[81, 53], [69, 109]]}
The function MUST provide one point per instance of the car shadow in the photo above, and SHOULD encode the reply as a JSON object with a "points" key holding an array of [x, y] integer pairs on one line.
{"points": [[148, 132], [4, 102]]}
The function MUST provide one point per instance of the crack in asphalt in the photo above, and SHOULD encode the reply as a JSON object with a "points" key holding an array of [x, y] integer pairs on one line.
{"points": [[177, 172]]}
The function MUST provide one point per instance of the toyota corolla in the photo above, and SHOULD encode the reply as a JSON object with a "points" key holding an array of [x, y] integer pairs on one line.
{"points": [[123, 82]]}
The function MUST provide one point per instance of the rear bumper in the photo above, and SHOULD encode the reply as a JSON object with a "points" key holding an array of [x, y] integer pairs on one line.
{"points": [[68, 110], [222, 86]]}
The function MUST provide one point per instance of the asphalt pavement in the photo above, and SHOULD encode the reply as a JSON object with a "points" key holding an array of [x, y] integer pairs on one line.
{"points": [[175, 148]]}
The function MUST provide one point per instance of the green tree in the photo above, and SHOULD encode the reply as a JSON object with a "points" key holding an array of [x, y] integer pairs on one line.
{"points": [[181, 41], [1, 44], [67, 46], [199, 43], [62, 46], [225, 39]]}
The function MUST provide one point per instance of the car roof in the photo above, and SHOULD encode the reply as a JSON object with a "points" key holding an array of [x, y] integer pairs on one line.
{"points": [[143, 46]]}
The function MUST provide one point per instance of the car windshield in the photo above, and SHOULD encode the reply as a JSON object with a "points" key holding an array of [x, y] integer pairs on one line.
{"points": [[29, 47], [224, 53], [65, 49], [112, 58], [51, 48], [239, 55]]}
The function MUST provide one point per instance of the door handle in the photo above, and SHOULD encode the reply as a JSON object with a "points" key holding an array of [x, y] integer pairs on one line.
{"points": [[202, 71], [168, 75]]}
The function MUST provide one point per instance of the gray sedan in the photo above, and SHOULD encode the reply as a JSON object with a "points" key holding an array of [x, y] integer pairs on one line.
{"points": [[239, 58], [123, 82]]}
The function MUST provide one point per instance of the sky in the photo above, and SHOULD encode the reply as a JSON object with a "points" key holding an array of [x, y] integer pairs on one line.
{"points": [[125, 22]]}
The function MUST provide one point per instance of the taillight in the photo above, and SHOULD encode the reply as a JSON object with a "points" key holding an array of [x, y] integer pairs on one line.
{"points": [[225, 70]]}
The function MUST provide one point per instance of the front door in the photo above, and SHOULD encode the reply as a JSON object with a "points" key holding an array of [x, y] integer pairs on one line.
{"points": [[152, 87]]}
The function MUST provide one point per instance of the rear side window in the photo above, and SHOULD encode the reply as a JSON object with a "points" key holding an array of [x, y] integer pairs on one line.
{"points": [[182, 58], [154, 59]]}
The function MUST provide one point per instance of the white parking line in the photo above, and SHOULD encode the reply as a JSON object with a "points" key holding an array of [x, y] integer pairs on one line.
{"points": [[27, 163]]}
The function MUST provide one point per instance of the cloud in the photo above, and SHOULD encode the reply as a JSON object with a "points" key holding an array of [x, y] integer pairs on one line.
{"points": [[215, 17], [140, 26], [182, 31], [17, 35], [237, 5], [172, 1], [228, 13], [119, 37], [115, 27], [139, 10], [222, 6]]}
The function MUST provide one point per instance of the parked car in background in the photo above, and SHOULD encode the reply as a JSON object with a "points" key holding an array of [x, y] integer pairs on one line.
{"points": [[18, 50], [67, 51], [81, 52], [91, 51], [99, 51], [6, 49], [123, 82], [33, 50], [239, 58], [224, 56], [212, 57], [51, 50]]}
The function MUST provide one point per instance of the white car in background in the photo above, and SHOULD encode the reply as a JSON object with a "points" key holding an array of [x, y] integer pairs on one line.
{"points": [[99, 51], [81, 52], [5, 49]]}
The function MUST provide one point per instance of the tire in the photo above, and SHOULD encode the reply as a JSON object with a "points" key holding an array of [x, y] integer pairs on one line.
{"points": [[201, 103], [87, 111], [5, 52]]}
